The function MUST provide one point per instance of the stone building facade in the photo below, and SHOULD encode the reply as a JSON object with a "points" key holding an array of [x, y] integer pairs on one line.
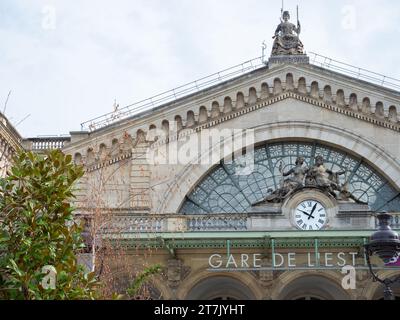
{"points": [[10, 143], [211, 220]]}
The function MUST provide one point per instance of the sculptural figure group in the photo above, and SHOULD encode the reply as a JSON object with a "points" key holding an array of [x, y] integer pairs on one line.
{"points": [[318, 176]]}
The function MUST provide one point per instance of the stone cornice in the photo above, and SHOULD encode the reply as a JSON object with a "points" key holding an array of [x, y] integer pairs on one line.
{"points": [[194, 101], [108, 162], [10, 139], [310, 100], [249, 109], [287, 95], [341, 80]]}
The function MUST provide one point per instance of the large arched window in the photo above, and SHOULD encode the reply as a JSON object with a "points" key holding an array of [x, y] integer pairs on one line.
{"points": [[224, 191]]}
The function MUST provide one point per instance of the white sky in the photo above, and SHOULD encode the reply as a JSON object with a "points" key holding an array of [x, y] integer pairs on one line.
{"points": [[66, 61]]}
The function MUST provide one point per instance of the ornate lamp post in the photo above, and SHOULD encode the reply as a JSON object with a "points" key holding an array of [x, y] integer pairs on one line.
{"points": [[385, 244]]}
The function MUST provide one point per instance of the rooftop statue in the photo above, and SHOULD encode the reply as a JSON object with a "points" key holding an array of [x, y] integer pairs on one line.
{"points": [[286, 37]]}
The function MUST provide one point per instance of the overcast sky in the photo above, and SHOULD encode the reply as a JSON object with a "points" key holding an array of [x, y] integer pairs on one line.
{"points": [[66, 61]]}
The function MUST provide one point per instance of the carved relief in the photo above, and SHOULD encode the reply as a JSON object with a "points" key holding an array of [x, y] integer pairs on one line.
{"points": [[176, 272]]}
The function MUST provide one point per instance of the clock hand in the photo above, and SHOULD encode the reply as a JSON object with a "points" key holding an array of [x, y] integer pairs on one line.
{"points": [[307, 214], [315, 207], [312, 212]]}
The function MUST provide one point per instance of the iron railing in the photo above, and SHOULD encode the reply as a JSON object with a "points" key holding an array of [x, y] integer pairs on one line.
{"points": [[174, 94], [355, 72], [227, 74]]}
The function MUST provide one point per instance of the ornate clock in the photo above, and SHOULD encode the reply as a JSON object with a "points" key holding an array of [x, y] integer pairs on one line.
{"points": [[310, 215]]}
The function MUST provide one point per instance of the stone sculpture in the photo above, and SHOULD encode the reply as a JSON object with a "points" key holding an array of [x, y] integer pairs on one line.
{"points": [[286, 37], [290, 185], [318, 176]]}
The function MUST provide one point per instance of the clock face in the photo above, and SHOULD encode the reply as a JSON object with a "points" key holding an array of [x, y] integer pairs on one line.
{"points": [[310, 215]]}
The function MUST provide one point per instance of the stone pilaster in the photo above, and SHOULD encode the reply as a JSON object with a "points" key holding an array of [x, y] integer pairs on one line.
{"points": [[140, 178]]}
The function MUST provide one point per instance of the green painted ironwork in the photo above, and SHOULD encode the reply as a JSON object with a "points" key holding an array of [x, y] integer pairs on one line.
{"points": [[273, 253], [316, 252], [251, 240]]}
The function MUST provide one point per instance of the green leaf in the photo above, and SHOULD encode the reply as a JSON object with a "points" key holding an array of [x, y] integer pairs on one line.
{"points": [[34, 232]]}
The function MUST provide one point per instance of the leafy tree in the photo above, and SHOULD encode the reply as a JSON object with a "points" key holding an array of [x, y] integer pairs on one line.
{"points": [[141, 279], [37, 229]]}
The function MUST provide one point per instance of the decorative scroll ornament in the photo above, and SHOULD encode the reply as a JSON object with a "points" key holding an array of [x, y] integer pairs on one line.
{"points": [[286, 37]]}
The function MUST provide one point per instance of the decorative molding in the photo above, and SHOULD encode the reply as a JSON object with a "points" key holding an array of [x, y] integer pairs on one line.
{"points": [[285, 59], [109, 162], [311, 74], [249, 109], [272, 100]]}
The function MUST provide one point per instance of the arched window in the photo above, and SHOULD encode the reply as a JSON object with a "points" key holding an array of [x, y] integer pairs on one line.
{"points": [[223, 191]]}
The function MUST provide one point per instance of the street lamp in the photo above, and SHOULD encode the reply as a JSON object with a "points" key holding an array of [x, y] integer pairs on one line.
{"points": [[385, 244]]}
